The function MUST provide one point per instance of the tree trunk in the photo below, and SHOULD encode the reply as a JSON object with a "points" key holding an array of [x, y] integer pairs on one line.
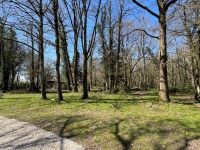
{"points": [[91, 70], [38, 75], [55, 10], [125, 75], [118, 49], [85, 86], [85, 53], [70, 80], [65, 56], [110, 48], [1, 56], [185, 80], [144, 74], [144, 62], [13, 74], [32, 75], [41, 52], [76, 65], [4, 67], [164, 92], [87, 47], [5, 72], [194, 58], [163, 7]]}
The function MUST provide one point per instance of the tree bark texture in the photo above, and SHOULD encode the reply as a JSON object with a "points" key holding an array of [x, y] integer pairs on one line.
{"points": [[65, 56], [85, 53], [41, 52], [32, 75], [163, 7], [164, 91], [55, 10], [76, 66]]}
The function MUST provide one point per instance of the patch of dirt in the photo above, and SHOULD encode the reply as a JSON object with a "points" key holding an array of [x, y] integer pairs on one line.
{"points": [[140, 93], [193, 145], [185, 97]]}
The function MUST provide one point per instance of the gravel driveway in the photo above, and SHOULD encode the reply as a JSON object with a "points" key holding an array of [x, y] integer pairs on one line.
{"points": [[15, 135]]}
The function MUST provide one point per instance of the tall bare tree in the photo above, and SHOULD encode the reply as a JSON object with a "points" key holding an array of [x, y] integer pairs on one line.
{"points": [[40, 13], [55, 13], [122, 12], [163, 6], [34, 11], [65, 54], [74, 11], [32, 73], [191, 27], [87, 47], [110, 47]]}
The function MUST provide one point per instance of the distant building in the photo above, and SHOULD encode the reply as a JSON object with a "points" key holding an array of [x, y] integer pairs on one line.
{"points": [[53, 85]]}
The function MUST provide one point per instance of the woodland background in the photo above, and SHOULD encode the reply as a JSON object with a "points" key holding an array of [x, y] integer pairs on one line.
{"points": [[102, 45]]}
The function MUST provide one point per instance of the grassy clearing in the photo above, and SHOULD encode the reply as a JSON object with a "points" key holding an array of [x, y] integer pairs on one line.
{"points": [[107, 121]]}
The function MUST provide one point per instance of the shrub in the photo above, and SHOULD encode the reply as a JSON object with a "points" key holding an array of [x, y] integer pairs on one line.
{"points": [[173, 89], [187, 89], [115, 91]]}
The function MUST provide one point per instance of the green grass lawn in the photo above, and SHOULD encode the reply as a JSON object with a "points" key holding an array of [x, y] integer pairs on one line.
{"points": [[110, 122]]}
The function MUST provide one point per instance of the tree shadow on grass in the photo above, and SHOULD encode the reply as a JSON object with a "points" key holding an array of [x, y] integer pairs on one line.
{"points": [[188, 140], [157, 135], [126, 143], [65, 126], [67, 129], [183, 141], [68, 121], [79, 126], [125, 100]]}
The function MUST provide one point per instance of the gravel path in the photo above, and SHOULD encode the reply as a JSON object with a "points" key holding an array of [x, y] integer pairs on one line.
{"points": [[15, 135]]}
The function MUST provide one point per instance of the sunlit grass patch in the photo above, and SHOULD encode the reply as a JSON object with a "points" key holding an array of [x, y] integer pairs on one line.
{"points": [[109, 121]]}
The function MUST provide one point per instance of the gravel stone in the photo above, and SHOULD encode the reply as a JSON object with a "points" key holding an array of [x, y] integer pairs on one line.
{"points": [[16, 135]]}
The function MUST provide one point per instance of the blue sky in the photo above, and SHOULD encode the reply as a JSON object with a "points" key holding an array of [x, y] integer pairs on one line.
{"points": [[136, 14]]}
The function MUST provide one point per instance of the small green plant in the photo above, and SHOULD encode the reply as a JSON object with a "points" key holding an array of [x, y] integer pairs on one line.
{"points": [[97, 140], [153, 92]]}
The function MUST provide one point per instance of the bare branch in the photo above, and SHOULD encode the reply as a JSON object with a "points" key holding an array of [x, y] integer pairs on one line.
{"points": [[156, 37], [20, 42], [146, 8], [170, 3]]}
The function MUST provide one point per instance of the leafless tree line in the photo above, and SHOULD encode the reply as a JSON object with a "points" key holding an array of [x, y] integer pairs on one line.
{"points": [[118, 47]]}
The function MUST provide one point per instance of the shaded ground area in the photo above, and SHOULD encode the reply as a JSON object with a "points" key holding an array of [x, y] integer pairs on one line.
{"points": [[22, 135]]}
